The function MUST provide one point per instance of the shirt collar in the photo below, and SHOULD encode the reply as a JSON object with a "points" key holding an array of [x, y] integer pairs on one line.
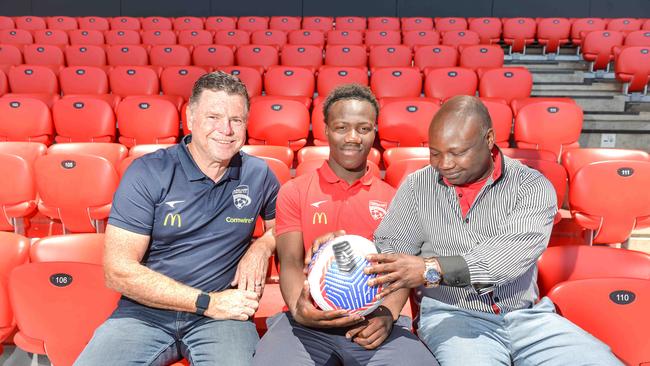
{"points": [[328, 174], [192, 170]]}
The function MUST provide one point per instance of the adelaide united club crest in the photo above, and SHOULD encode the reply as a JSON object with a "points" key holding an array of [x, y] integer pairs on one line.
{"points": [[377, 209], [240, 197]]}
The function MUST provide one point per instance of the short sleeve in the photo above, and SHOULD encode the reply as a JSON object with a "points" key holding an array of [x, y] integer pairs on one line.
{"points": [[288, 217], [271, 188], [135, 199]]}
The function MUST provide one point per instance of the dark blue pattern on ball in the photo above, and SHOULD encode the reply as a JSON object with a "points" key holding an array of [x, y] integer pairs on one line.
{"points": [[348, 290]]}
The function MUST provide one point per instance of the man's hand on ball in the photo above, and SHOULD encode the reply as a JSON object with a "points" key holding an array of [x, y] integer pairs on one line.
{"points": [[308, 315], [395, 271], [372, 332], [309, 253]]}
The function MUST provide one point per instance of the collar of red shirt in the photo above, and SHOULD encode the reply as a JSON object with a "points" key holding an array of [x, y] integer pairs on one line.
{"points": [[328, 174], [497, 158]]}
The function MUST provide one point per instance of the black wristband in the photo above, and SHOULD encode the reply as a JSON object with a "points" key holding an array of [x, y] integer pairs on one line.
{"points": [[202, 303]]}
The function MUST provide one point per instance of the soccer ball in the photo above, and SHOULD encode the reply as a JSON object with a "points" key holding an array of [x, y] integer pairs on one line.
{"points": [[336, 278]]}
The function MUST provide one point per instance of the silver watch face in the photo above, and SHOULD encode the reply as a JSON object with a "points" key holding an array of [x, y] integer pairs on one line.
{"points": [[432, 276]]}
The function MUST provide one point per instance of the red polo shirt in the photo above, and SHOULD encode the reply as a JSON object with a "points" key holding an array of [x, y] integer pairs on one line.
{"points": [[467, 193], [321, 202]]}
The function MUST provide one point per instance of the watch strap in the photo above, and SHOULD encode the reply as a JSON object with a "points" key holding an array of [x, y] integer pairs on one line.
{"points": [[202, 303]]}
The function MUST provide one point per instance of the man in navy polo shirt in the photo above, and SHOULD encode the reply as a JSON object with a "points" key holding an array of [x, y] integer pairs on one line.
{"points": [[178, 243]]}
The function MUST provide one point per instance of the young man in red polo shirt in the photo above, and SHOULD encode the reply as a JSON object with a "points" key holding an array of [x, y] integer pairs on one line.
{"points": [[341, 195]]}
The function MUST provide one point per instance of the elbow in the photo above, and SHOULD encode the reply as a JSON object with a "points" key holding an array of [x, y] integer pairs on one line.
{"points": [[116, 276]]}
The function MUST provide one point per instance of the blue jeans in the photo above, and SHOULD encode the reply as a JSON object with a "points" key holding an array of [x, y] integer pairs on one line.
{"points": [[535, 336], [159, 337]]}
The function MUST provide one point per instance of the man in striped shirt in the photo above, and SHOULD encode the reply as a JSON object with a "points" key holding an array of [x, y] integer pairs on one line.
{"points": [[470, 228]]}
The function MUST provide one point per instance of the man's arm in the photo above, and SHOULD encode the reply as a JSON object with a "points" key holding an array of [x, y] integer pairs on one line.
{"points": [[123, 251], [252, 269]]}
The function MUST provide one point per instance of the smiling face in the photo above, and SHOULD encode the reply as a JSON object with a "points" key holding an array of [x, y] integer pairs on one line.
{"points": [[460, 146], [350, 130], [218, 124]]}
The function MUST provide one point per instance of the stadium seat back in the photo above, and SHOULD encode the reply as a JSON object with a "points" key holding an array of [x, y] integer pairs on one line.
{"points": [[122, 37], [501, 116], [112, 152], [481, 56], [213, 56], [269, 37], [30, 23], [88, 55], [444, 83], [33, 79], [553, 33], [285, 23], [289, 81], [84, 248], [382, 37], [233, 37], [488, 29], [252, 23], [318, 23], [278, 122], [384, 23], [450, 24], [396, 82], [350, 23], [346, 55], [417, 38], [344, 37], [394, 154], [17, 197], [399, 170], [83, 80], [430, 57], [179, 80], [519, 32], [250, 76], [390, 56], [133, 80], [155, 23], [633, 68], [146, 120], [54, 37], [14, 252], [257, 56], [10, 55], [574, 160], [25, 119], [93, 23], [195, 37], [416, 23], [188, 23], [86, 37], [170, 55], [303, 37], [125, 23], [282, 153], [406, 122], [220, 23], [508, 83], [16, 37], [158, 37], [329, 77], [308, 56], [127, 55], [43, 54], [597, 47], [83, 120]]}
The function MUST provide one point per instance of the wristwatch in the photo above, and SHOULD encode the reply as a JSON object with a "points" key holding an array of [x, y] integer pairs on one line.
{"points": [[431, 272], [202, 303]]}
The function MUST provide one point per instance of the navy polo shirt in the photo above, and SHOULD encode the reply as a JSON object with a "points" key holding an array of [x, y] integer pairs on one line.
{"points": [[199, 229]]}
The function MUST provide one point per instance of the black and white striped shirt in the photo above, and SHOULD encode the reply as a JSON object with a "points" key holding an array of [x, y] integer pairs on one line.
{"points": [[506, 229]]}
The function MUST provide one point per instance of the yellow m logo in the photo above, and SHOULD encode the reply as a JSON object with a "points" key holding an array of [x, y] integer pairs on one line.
{"points": [[172, 218], [320, 217]]}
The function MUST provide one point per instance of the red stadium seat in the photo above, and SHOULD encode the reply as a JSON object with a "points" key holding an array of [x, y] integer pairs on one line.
{"points": [[418, 38], [612, 310], [170, 55], [580, 28], [488, 29], [155, 23], [159, 37], [350, 23], [220, 23], [528, 154], [383, 37], [195, 37], [62, 23], [317, 23], [127, 55], [329, 77], [16, 37], [17, 199], [147, 120], [278, 122], [508, 83], [113, 152], [10, 55], [384, 23], [188, 23], [90, 55], [122, 37], [252, 23], [416, 24], [179, 80], [305, 37], [394, 154], [389, 82], [84, 248], [281, 171], [308, 56], [269, 37], [400, 169], [519, 33], [14, 252], [63, 316], [431, 57], [25, 119], [93, 23], [405, 123], [125, 23], [84, 208], [285, 23], [213, 56], [552, 126], [289, 81], [518, 104], [257, 56], [30, 23], [133, 80], [580, 262], [444, 83], [7, 22], [344, 37], [323, 152], [85, 37], [281, 153], [233, 38], [574, 160], [450, 24], [83, 80], [43, 54], [597, 48], [390, 56], [26, 150], [271, 304], [638, 38], [646, 25], [352, 55], [481, 56], [556, 174], [4, 85], [250, 76], [633, 69], [83, 120], [54, 37], [461, 37], [624, 25], [552, 33], [501, 116]]}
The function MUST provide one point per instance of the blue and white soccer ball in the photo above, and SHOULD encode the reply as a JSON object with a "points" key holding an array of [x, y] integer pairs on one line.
{"points": [[336, 278]]}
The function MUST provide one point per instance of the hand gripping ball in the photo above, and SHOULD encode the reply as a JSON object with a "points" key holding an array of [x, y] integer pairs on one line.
{"points": [[336, 277]]}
